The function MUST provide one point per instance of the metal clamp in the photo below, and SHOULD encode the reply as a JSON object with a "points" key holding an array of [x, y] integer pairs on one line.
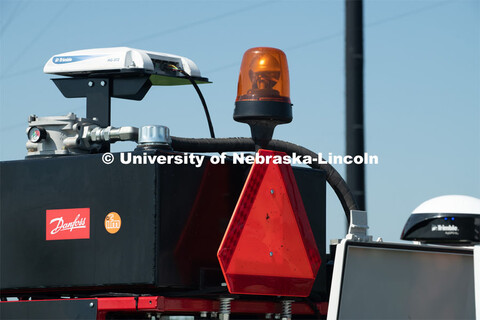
{"points": [[357, 231]]}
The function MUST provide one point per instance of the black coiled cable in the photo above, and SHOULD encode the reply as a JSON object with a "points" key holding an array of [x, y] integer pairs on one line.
{"points": [[334, 179]]}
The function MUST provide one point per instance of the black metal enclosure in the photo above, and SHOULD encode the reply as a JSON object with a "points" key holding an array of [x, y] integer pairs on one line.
{"points": [[173, 218]]}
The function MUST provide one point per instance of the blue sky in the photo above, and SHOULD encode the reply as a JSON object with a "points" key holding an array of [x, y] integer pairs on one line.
{"points": [[422, 82]]}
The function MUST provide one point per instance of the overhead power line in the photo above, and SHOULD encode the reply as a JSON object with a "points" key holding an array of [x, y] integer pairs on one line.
{"points": [[38, 36], [341, 33], [291, 48], [156, 34], [20, 5], [199, 22]]}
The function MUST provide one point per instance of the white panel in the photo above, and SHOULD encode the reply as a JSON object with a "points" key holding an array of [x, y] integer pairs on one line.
{"points": [[406, 282]]}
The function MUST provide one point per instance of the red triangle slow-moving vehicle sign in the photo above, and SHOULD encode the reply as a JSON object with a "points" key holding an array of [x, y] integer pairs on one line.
{"points": [[269, 248]]}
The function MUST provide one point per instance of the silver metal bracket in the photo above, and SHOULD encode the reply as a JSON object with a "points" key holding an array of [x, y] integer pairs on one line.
{"points": [[357, 231]]}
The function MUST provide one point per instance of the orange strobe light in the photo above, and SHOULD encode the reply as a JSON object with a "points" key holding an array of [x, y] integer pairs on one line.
{"points": [[263, 99]]}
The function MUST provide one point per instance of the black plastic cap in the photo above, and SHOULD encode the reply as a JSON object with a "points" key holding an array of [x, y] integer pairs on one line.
{"points": [[443, 228], [275, 111]]}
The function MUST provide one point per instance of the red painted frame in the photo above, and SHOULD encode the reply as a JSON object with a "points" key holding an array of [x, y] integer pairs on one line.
{"points": [[191, 306]]}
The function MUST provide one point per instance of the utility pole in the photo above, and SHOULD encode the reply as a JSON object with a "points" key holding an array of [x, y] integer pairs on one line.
{"points": [[354, 96]]}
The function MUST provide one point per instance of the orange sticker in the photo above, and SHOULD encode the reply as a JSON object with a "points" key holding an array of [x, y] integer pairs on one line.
{"points": [[113, 222]]}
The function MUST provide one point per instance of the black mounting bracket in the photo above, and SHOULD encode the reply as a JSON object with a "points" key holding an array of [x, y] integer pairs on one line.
{"points": [[99, 92]]}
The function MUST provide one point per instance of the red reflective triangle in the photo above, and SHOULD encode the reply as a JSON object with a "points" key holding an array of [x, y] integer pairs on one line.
{"points": [[268, 247]]}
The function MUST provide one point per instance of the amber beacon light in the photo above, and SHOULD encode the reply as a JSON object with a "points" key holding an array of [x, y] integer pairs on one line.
{"points": [[263, 99]]}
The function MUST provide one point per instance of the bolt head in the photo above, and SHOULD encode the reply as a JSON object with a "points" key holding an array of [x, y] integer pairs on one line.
{"points": [[271, 254], [90, 83], [103, 83], [271, 191], [91, 305]]}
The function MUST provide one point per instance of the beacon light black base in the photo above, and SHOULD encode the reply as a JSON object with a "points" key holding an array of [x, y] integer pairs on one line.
{"points": [[273, 111], [262, 117]]}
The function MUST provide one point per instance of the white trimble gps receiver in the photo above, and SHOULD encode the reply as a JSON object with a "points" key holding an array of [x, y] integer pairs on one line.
{"points": [[122, 61], [448, 220], [99, 75], [120, 72]]}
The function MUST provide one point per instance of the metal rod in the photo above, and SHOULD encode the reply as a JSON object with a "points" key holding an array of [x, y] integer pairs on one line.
{"points": [[354, 97]]}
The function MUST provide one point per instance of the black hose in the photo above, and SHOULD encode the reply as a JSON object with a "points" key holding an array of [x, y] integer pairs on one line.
{"points": [[200, 95], [205, 108], [334, 179]]}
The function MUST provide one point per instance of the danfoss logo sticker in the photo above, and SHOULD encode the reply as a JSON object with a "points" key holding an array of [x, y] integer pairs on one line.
{"points": [[113, 222], [67, 224]]}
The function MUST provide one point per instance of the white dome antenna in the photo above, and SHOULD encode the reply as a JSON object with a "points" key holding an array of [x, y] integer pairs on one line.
{"points": [[450, 219]]}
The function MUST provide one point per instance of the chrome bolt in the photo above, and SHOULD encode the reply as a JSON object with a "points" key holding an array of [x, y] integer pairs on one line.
{"points": [[271, 254], [103, 83], [271, 191], [90, 83], [91, 304]]}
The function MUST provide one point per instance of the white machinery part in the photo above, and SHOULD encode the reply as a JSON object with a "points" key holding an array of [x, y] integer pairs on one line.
{"points": [[476, 265], [118, 59], [448, 220], [450, 204], [401, 281]]}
